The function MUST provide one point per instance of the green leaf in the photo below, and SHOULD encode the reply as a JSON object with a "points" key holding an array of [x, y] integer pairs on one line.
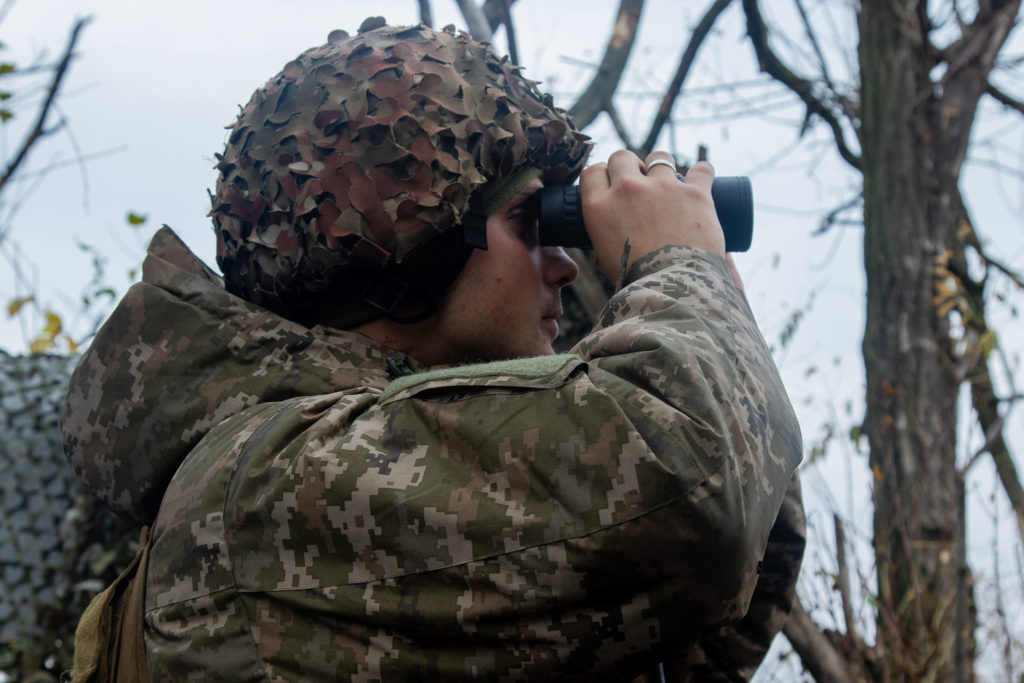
{"points": [[135, 219], [5, 116], [855, 432], [40, 345], [855, 437], [5, 96], [53, 325], [989, 342], [7, 68], [16, 305], [790, 328]]}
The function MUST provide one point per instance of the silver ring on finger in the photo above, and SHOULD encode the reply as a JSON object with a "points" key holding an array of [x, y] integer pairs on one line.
{"points": [[661, 162]]}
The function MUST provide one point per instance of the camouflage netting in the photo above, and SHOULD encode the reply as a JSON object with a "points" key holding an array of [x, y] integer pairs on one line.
{"points": [[57, 548], [38, 488], [365, 148]]}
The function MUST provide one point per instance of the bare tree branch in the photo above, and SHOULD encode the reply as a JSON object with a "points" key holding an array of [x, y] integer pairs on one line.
{"points": [[844, 585], [1000, 96], [5, 8], [483, 21], [983, 393], [803, 88], [475, 20], [981, 39], [38, 130], [962, 621], [494, 10], [597, 95], [426, 16], [674, 88], [812, 38], [510, 32], [817, 654], [620, 129], [1004, 269], [986, 405]]}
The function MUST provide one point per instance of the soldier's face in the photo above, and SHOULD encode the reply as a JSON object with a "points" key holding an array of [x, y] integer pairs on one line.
{"points": [[506, 301]]}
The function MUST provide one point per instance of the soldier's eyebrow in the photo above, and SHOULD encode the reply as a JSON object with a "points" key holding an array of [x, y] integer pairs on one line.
{"points": [[523, 194]]}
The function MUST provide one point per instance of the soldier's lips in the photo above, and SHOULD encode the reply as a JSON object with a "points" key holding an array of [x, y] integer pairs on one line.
{"points": [[550, 323]]}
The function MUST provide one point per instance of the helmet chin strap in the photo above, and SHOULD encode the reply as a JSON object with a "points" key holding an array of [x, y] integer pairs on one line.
{"points": [[428, 272]]}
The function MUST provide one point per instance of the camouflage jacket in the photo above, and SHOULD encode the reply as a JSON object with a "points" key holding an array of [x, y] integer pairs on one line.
{"points": [[317, 516]]}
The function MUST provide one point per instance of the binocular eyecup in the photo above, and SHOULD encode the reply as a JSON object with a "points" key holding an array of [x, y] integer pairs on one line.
{"points": [[561, 215]]}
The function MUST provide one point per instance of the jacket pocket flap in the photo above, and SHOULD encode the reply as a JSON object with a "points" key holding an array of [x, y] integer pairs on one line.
{"points": [[539, 372]]}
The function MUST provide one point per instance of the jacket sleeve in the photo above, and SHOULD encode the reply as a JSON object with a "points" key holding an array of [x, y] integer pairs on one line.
{"points": [[733, 651], [679, 348]]}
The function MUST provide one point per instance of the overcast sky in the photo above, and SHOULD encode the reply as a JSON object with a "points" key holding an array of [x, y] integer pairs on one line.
{"points": [[155, 83]]}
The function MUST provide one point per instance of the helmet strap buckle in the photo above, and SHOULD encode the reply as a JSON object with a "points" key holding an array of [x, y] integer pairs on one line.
{"points": [[386, 292]]}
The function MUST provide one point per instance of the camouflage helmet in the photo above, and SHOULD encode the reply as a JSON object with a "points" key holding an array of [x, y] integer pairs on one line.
{"points": [[363, 150]]}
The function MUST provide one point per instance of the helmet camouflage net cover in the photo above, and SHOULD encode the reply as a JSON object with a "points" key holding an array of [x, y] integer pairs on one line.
{"points": [[366, 148]]}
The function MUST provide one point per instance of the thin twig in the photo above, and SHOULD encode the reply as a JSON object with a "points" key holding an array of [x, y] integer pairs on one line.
{"points": [[844, 582], [495, 12], [476, 22], [5, 8], [38, 130], [510, 32], [812, 38], [1005, 99], [992, 435], [426, 16], [832, 217], [852, 636], [63, 163], [803, 88], [620, 129], [685, 63], [1004, 269], [79, 158]]}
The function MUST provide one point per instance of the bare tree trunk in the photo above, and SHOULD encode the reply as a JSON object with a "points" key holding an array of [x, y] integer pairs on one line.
{"points": [[911, 386], [914, 134]]}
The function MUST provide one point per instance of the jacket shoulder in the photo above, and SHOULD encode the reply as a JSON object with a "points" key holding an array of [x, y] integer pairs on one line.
{"points": [[539, 372]]}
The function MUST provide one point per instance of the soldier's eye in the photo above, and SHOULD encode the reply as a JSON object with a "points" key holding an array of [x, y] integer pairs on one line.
{"points": [[527, 224]]}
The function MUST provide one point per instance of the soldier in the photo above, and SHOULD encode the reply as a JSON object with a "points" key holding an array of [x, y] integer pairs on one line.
{"points": [[360, 457]]}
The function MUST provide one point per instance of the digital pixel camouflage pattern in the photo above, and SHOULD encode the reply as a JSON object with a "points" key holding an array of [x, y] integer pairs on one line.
{"points": [[576, 517]]}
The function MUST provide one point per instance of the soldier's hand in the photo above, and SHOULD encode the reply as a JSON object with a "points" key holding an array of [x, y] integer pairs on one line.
{"points": [[627, 198]]}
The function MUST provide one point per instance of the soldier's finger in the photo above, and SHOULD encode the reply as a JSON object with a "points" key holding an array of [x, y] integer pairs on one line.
{"points": [[595, 177], [660, 163], [624, 163], [701, 174]]}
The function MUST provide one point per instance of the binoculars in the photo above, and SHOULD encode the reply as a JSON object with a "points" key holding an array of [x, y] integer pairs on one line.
{"points": [[561, 216]]}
